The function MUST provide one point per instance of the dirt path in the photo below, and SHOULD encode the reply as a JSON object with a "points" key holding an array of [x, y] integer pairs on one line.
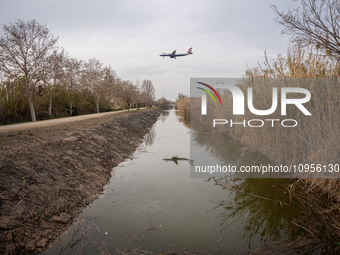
{"points": [[47, 174], [44, 123]]}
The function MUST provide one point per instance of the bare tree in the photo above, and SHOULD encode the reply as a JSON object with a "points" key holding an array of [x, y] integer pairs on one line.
{"points": [[128, 92], [110, 83], [138, 94], [117, 92], [163, 102], [23, 50], [149, 92], [317, 23], [93, 76], [54, 73], [72, 75], [181, 96]]}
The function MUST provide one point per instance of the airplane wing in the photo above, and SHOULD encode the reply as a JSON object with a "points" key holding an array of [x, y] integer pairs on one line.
{"points": [[173, 54]]}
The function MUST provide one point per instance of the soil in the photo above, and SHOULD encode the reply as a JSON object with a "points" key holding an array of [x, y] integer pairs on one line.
{"points": [[48, 174]]}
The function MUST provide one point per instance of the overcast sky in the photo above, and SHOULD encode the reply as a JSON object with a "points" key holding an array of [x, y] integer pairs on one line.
{"points": [[226, 35]]}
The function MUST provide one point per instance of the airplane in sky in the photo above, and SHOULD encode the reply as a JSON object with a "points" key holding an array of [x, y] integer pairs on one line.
{"points": [[174, 55]]}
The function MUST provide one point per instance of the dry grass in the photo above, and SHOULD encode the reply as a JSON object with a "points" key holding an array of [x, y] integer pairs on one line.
{"points": [[183, 106], [314, 140]]}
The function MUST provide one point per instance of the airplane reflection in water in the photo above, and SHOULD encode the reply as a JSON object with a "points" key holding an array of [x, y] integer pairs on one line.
{"points": [[176, 159]]}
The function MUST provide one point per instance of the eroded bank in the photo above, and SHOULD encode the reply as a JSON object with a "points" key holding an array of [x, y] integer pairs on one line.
{"points": [[48, 174]]}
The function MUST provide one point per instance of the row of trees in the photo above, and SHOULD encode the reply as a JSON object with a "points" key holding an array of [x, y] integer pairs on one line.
{"points": [[37, 78]]}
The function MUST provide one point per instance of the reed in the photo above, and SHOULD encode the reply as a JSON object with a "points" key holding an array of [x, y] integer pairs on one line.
{"points": [[314, 140], [183, 106]]}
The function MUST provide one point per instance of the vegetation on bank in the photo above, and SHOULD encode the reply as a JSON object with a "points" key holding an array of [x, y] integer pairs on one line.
{"points": [[314, 141], [39, 80], [316, 138], [183, 105]]}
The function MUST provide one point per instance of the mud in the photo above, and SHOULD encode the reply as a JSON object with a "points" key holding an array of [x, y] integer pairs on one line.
{"points": [[48, 174]]}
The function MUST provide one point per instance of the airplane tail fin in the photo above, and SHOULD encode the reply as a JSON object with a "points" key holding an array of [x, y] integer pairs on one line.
{"points": [[189, 51]]}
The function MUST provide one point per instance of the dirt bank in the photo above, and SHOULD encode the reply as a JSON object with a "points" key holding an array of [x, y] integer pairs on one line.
{"points": [[48, 174]]}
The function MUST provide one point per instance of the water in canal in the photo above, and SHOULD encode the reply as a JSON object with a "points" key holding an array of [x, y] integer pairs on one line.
{"points": [[152, 204]]}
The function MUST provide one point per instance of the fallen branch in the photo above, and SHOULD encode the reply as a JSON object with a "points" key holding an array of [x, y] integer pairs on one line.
{"points": [[69, 245], [18, 204], [303, 228], [102, 252], [145, 230]]}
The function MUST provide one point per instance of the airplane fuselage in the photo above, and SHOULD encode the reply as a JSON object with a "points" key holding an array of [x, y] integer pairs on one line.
{"points": [[174, 55]]}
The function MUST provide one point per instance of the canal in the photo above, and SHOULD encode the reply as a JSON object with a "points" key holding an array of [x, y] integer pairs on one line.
{"points": [[151, 205]]}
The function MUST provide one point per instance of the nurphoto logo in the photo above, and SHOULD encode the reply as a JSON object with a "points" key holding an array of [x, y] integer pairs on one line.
{"points": [[238, 106], [204, 97]]}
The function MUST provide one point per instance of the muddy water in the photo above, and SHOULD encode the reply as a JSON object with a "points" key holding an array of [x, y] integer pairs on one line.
{"points": [[153, 205]]}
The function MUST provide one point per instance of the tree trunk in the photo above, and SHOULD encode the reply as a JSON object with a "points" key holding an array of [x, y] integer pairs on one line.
{"points": [[97, 104], [71, 108], [30, 101], [50, 105]]}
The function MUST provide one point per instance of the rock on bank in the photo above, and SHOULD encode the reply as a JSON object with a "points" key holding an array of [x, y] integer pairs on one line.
{"points": [[48, 174]]}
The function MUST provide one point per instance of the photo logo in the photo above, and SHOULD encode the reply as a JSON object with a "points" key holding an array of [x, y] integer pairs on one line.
{"points": [[204, 97], [238, 99], [243, 104]]}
